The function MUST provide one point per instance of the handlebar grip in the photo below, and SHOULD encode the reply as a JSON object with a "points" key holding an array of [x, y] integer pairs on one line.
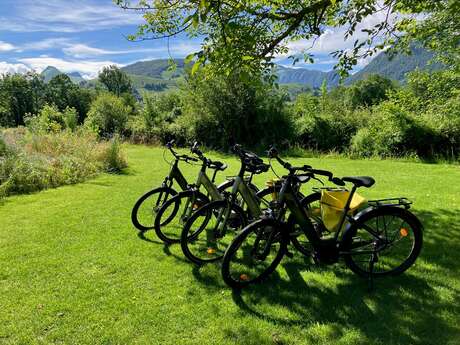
{"points": [[322, 172], [338, 181]]}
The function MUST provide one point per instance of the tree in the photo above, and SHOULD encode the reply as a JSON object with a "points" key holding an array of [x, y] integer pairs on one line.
{"points": [[248, 35], [115, 80], [369, 91], [62, 92], [20, 94], [108, 115]]}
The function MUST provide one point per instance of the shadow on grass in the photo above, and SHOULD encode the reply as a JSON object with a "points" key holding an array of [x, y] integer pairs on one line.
{"points": [[418, 307], [142, 236]]}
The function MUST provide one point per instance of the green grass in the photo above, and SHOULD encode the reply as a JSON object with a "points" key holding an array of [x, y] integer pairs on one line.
{"points": [[73, 271]]}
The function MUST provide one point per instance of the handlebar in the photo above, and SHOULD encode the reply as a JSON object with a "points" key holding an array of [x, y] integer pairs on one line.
{"points": [[273, 153], [177, 156]]}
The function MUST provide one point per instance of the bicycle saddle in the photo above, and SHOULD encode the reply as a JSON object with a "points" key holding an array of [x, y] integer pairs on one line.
{"points": [[217, 165], [360, 181]]}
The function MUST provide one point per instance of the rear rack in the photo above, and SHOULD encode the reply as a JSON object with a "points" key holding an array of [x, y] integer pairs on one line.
{"points": [[404, 202], [330, 189]]}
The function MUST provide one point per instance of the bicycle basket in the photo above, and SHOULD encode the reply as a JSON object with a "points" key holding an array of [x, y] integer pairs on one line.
{"points": [[332, 207]]}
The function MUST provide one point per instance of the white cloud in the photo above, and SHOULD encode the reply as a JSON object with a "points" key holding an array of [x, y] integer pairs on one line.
{"points": [[82, 51], [333, 39], [8, 68], [90, 69], [5, 46], [67, 16], [45, 44]]}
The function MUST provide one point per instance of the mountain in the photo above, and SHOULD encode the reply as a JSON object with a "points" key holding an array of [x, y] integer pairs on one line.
{"points": [[50, 72], [397, 67], [76, 77], [312, 78], [160, 68], [392, 68]]}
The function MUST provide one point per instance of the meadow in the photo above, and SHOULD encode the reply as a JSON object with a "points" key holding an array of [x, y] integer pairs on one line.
{"points": [[73, 270]]}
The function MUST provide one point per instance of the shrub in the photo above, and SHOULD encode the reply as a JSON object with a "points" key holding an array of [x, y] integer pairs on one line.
{"points": [[35, 161], [108, 115], [392, 131], [111, 156], [219, 110], [50, 119]]}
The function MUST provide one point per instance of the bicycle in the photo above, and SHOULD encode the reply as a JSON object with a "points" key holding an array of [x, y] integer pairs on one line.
{"points": [[206, 242], [363, 243], [148, 205], [191, 200]]}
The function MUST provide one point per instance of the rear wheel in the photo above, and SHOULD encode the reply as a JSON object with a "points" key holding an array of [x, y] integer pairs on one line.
{"points": [[254, 254], [178, 210], [147, 206], [392, 237], [204, 242]]}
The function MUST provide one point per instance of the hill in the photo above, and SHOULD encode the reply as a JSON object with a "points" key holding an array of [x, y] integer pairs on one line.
{"points": [[160, 68], [312, 78], [397, 67], [50, 72]]}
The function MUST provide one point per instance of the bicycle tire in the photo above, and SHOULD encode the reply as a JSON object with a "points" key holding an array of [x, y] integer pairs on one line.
{"points": [[172, 233], [410, 227], [244, 279], [209, 242], [135, 216]]}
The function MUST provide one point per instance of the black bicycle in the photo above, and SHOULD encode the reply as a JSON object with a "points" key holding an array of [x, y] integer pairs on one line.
{"points": [[148, 205], [380, 240]]}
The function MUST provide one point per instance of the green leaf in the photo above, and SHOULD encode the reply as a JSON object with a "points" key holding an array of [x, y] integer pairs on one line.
{"points": [[189, 58], [247, 58]]}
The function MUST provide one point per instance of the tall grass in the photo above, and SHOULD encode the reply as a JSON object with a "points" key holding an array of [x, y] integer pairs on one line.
{"points": [[32, 161]]}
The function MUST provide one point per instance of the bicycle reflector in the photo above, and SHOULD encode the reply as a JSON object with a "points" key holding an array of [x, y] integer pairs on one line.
{"points": [[404, 232], [244, 277]]}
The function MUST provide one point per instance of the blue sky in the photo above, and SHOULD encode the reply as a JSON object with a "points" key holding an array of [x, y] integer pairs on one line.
{"points": [[86, 35]]}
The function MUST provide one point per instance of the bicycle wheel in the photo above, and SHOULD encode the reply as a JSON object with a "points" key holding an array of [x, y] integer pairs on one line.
{"points": [[311, 205], [254, 253], [147, 206], [182, 207], [391, 234], [206, 241]]}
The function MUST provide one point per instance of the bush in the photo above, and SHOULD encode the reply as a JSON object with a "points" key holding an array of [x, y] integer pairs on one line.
{"points": [[108, 115], [219, 110], [35, 161], [112, 157], [50, 119], [392, 131]]}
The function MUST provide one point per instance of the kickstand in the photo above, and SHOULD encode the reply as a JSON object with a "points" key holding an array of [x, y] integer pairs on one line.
{"points": [[372, 261]]}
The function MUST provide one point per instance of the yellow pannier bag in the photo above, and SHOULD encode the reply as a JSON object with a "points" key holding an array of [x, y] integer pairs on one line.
{"points": [[332, 207]]}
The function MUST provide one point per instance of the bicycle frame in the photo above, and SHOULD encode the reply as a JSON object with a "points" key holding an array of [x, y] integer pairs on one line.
{"points": [[211, 189], [240, 187], [175, 174]]}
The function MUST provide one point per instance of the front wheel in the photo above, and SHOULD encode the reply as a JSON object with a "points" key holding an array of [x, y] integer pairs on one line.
{"points": [[206, 242], [177, 211], [254, 253], [147, 206], [391, 237]]}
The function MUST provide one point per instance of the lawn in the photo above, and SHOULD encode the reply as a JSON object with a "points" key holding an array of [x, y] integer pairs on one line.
{"points": [[74, 271]]}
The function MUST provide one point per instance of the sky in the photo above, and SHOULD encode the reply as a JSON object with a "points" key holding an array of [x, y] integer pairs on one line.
{"points": [[85, 35]]}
